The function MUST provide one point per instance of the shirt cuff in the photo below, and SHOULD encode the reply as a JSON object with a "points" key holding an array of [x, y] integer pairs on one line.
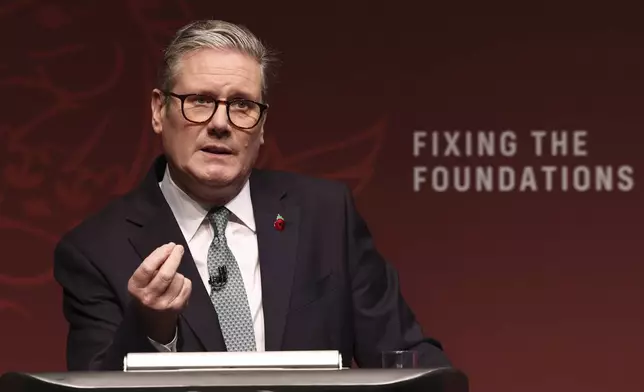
{"points": [[167, 348]]}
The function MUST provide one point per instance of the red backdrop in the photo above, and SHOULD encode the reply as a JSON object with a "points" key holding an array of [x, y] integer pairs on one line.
{"points": [[528, 291]]}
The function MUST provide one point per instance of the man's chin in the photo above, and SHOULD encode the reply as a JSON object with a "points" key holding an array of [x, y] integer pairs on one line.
{"points": [[220, 178], [218, 189], [217, 182]]}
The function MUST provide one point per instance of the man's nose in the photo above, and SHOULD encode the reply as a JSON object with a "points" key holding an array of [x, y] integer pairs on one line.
{"points": [[219, 121]]}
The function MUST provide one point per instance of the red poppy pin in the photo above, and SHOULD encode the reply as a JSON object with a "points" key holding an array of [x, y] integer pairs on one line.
{"points": [[279, 223]]}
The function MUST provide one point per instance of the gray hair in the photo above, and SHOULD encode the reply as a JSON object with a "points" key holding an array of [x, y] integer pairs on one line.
{"points": [[215, 34]]}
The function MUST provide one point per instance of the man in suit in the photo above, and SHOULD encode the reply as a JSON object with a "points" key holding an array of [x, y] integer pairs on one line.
{"points": [[209, 254]]}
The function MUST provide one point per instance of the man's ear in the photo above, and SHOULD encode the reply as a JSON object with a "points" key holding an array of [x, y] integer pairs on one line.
{"points": [[157, 104], [261, 130]]}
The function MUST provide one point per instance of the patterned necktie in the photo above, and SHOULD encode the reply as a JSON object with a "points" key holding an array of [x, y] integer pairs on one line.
{"points": [[228, 293]]}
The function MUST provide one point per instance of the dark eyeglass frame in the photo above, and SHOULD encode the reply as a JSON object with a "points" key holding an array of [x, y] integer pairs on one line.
{"points": [[182, 97]]}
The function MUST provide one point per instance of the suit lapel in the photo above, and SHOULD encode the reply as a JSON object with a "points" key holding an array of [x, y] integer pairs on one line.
{"points": [[277, 253], [157, 227]]}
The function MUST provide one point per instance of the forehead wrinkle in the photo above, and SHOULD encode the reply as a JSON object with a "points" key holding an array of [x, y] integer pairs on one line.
{"points": [[203, 83], [239, 61], [218, 71], [239, 74]]}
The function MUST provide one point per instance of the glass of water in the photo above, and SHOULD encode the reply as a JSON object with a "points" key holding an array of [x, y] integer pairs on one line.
{"points": [[399, 359]]}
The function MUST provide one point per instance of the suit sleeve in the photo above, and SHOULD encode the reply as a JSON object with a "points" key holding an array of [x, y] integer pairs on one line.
{"points": [[381, 317], [101, 332]]}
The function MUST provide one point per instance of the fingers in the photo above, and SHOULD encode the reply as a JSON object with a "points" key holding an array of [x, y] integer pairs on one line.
{"points": [[181, 300], [166, 274], [173, 291], [157, 285], [172, 299], [149, 267]]}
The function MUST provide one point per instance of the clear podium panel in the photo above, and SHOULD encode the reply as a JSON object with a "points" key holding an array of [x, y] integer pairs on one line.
{"points": [[346, 380]]}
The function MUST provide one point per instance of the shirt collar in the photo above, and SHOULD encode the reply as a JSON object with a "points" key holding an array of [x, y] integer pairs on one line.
{"points": [[190, 214]]}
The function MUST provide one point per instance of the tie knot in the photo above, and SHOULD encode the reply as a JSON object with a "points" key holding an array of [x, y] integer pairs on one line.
{"points": [[218, 218]]}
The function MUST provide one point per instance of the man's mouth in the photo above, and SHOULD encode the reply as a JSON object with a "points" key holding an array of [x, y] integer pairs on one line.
{"points": [[220, 150]]}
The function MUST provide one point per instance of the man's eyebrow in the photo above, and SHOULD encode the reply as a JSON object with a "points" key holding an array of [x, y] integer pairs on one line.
{"points": [[242, 94], [231, 94]]}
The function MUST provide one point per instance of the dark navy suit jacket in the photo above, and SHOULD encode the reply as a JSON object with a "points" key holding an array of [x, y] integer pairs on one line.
{"points": [[324, 285]]}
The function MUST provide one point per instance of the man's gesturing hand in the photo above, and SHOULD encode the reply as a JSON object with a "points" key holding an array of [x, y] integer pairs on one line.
{"points": [[160, 292]]}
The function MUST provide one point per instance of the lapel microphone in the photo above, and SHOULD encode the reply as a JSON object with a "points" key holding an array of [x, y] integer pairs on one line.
{"points": [[218, 281]]}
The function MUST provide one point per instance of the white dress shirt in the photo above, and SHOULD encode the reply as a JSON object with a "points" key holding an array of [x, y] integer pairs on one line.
{"points": [[241, 238]]}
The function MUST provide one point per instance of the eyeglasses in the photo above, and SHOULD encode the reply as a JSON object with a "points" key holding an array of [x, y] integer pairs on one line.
{"points": [[199, 109]]}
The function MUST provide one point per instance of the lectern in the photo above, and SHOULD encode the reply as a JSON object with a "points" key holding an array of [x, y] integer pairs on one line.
{"points": [[344, 380]]}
